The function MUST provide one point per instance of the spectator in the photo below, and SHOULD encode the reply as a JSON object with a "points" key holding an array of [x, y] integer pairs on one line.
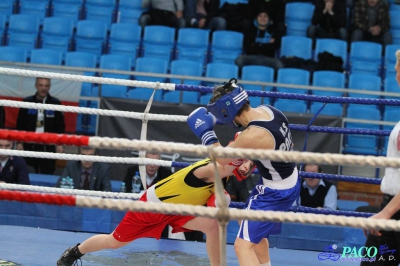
{"points": [[88, 175], [371, 22], [317, 193], [390, 186], [154, 173], [163, 12], [275, 8], [329, 20], [260, 43], [13, 169], [236, 189], [204, 14], [40, 121]]}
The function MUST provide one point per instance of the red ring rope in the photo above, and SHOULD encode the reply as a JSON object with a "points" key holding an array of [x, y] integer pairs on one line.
{"points": [[48, 138], [30, 197]]}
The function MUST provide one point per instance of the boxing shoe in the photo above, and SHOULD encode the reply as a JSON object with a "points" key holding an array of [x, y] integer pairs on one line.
{"points": [[70, 257]]}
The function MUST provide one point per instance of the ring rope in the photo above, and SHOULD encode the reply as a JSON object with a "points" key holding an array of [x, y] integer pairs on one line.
{"points": [[136, 196], [168, 208], [202, 151], [66, 191]]}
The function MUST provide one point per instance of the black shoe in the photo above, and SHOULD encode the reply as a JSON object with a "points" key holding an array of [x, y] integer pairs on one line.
{"points": [[70, 257]]}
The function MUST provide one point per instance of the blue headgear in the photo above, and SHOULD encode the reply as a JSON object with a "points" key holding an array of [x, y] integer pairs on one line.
{"points": [[226, 107]]}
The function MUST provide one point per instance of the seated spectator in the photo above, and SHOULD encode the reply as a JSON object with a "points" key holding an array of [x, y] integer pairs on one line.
{"points": [[317, 193], [260, 43], [329, 20], [204, 14], [276, 11], [236, 189], [371, 22], [154, 173], [88, 175], [163, 12], [13, 169]]}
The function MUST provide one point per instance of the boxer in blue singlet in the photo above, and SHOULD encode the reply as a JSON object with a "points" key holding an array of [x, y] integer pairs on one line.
{"points": [[279, 186]]}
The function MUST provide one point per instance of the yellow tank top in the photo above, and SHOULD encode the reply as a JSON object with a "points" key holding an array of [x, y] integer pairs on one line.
{"points": [[184, 187]]}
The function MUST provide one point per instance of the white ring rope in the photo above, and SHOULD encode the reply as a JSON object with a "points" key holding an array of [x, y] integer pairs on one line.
{"points": [[203, 151], [165, 86], [81, 78], [93, 111], [65, 191], [236, 214], [91, 158]]}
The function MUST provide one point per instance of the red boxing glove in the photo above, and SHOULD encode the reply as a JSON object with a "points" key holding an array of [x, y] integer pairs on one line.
{"points": [[212, 201]]}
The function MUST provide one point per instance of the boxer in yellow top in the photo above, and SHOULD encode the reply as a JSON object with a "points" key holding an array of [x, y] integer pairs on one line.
{"points": [[191, 185]]}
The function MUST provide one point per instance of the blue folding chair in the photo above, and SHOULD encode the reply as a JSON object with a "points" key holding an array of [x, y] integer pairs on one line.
{"points": [[23, 31], [129, 16], [115, 62], [37, 8], [367, 82], [130, 4], [293, 76], [395, 25], [158, 42], [226, 46], [291, 106], [13, 54], [8, 7], [184, 68], [193, 44], [261, 74], [86, 60], [91, 37], [362, 144], [125, 40], [57, 34], [390, 59], [330, 79], [334, 46], [365, 58], [330, 109], [150, 65], [70, 9], [298, 17], [298, 46], [390, 85], [101, 10], [46, 56]]}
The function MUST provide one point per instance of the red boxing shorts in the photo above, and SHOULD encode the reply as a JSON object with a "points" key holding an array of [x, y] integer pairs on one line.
{"points": [[136, 225]]}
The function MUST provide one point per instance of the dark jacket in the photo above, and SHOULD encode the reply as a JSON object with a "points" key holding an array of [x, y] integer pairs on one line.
{"points": [[361, 16], [330, 23], [162, 173], [99, 180], [53, 121], [15, 171], [255, 41], [316, 200]]}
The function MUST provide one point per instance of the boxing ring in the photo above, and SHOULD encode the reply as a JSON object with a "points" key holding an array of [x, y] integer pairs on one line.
{"points": [[33, 244]]}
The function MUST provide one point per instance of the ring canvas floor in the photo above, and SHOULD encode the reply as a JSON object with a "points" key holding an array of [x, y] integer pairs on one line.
{"points": [[27, 246]]}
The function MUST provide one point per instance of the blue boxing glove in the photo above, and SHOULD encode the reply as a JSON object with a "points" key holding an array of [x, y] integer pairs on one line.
{"points": [[201, 122]]}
